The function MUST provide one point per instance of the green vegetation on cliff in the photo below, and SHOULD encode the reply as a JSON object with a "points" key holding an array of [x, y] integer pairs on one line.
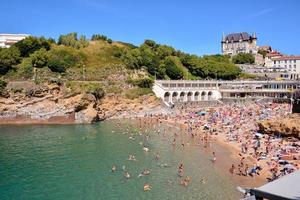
{"points": [[115, 65]]}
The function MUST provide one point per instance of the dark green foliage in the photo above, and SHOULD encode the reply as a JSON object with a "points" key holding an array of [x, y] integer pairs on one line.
{"points": [[9, 57], [163, 61], [39, 58], [109, 40], [96, 37], [173, 66], [3, 85], [243, 58], [133, 58], [71, 40], [150, 43], [263, 53], [98, 93], [164, 51], [32, 44], [62, 58], [145, 82]]}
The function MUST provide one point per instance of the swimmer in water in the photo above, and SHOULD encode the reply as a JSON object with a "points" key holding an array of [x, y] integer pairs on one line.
{"points": [[132, 157], [180, 170], [147, 187], [174, 142], [185, 181], [146, 172], [126, 175], [113, 169], [214, 157], [157, 156]]}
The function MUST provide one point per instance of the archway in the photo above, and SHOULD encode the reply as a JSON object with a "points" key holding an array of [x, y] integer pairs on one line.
{"points": [[203, 94], [209, 95], [189, 96], [181, 97], [167, 97], [196, 96], [174, 96]]}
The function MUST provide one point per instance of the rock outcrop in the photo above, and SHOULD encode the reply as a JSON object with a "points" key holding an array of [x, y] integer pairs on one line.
{"points": [[53, 104], [287, 127]]}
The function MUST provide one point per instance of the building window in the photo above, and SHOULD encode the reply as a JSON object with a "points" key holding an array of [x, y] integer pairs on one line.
{"points": [[285, 61], [275, 62], [294, 61]]}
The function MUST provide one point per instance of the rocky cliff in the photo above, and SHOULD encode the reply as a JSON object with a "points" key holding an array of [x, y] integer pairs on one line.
{"points": [[287, 127], [54, 104]]}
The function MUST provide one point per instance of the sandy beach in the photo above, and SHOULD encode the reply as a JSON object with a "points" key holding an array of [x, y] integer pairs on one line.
{"points": [[249, 157]]}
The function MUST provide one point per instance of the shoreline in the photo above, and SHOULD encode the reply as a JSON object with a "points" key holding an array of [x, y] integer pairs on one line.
{"points": [[233, 148]]}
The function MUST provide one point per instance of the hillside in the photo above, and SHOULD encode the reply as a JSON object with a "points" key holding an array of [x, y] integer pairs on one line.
{"points": [[115, 76]]}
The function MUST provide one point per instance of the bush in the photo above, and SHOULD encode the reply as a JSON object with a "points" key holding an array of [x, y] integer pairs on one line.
{"points": [[32, 44], [91, 88], [9, 57], [96, 37], [39, 58], [243, 58], [61, 58], [174, 67], [3, 85], [56, 65], [71, 40], [146, 82]]}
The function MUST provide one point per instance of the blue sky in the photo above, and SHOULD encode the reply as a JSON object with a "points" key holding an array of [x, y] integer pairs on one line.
{"points": [[193, 26]]}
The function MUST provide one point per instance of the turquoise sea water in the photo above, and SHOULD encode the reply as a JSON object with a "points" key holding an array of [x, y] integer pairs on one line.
{"points": [[74, 162]]}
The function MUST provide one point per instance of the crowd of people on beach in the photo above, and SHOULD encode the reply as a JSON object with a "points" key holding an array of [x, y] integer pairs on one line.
{"points": [[235, 124]]}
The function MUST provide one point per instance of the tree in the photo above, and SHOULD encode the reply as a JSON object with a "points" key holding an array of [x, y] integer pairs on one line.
{"points": [[243, 58], [164, 51], [39, 58], [263, 53], [133, 58], [9, 57], [71, 40], [150, 43], [96, 37], [149, 59], [31, 44], [61, 58], [173, 66]]}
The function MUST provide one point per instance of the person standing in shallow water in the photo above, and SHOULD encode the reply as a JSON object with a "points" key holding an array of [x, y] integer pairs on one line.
{"points": [[214, 157]]}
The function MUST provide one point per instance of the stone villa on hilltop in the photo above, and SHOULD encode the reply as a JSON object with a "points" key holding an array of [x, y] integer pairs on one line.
{"points": [[287, 67], [235, 43]]}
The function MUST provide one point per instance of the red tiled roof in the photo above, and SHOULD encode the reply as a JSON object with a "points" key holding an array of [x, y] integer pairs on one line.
{"points": [[288, 58], [274, 53]]}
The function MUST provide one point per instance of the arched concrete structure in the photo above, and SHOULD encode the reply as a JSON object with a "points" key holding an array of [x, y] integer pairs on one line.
{"points": [[182, 96], [167, 97], [174, 96], [203, 96], [209, 95], [172, 90], [190, 96], [196, 96]]}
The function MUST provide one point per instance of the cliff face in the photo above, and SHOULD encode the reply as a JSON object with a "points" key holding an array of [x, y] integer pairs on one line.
{"points": [[51, 105], [287, 127]]}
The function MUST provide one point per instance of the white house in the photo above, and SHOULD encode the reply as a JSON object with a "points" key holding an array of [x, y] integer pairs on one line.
{"points": [[6, 40]]}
